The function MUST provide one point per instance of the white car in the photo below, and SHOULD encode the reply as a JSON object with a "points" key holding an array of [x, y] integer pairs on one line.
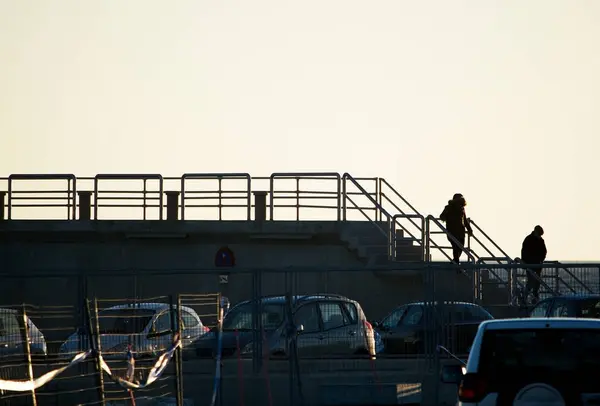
{"points": [[144, 326], [534, 361]]}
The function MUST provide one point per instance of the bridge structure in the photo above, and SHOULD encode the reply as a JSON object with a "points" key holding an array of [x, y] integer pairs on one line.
{"points": [[380, 225]]}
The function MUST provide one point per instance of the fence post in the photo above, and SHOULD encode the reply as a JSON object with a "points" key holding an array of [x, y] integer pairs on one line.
{"points": [[172, 205], [260, 206], [95, 346], [2, 197], [27, 347], [176, 332], [85, 204]]}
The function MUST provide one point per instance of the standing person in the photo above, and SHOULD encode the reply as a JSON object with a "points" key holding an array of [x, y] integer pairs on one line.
{"points": [[457, 224], [533, 252]]}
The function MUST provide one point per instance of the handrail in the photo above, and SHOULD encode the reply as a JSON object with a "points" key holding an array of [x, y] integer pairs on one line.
{"points": [[390, 219], [422, 228], [565, 269], [55, 176], [303, 175], [381, 193], [219, 177], [469, 253], [347, 176], [120, 176], [527, 267], [480, 231]]}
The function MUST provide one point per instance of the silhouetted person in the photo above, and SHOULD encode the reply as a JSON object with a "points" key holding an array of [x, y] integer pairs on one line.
{"points": [[533, 252], [457, 224]]}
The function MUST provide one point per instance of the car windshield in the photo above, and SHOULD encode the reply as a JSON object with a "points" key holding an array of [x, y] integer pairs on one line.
{"points": [[550, 354], [124, 321], [240, 318]]}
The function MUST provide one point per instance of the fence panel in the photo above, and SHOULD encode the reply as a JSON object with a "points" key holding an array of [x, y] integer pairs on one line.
{"points": [[46, 328], [138, 328]]}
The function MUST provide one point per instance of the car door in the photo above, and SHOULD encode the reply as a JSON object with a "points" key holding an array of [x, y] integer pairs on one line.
{"points": [[387, 327], [542, 309], [338, 332], [310, 339], [405, 336]]}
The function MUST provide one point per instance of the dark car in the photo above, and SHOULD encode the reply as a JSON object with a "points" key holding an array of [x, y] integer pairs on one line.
{"points": [[406, 328], [581, 306], [325, 324]]}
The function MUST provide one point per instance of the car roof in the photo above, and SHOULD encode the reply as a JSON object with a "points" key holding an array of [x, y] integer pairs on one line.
{"points": [[539, 322], [447, 302], [147, 306], [278, 299], [577, 297]]}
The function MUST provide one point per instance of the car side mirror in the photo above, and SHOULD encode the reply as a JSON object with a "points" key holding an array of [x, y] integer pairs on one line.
{"points": [[452, 374], [300, 328]]}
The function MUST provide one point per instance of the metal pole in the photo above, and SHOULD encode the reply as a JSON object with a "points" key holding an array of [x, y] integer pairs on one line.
{"points": [[98, 350], [90, 333], [26, 345], [176, 332]]}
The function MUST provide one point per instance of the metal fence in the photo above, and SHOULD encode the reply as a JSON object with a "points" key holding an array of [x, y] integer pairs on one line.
{"points": [[290, 336]]}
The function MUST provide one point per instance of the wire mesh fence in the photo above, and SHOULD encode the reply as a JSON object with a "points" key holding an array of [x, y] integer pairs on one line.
{"points": [[282, 336]]}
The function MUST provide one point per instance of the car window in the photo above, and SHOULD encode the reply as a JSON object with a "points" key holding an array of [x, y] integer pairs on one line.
{"points": [[124, 321], [541, 310], [590, 308], [240, 317], [332, 315], [163, 322], [188, 320], [413, 316], [308, 316], [522, 353], [394, 317], [9, 325], [560, 309], [352, 312]]}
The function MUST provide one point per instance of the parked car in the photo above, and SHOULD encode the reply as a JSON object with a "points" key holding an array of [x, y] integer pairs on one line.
{"points": [[404, 330], [326, 325], [12, 329], [586, 306], [530, 361], [147, 327]]}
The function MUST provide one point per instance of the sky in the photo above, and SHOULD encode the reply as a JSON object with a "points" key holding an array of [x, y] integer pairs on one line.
{"points": [[492, 99]]}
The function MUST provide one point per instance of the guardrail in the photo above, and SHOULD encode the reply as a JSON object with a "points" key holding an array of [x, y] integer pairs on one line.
{"points": [[197, 196]]}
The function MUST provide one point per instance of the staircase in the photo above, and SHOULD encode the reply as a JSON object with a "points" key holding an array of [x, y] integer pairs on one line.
{"points": [[371, 245], [397, 232]]}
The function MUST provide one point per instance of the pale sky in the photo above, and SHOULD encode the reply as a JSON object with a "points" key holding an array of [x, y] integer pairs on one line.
{"points": [[494, 99]]}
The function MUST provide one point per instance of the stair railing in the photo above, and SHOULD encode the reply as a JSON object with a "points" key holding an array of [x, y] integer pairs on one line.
{"points": [[346, 197], [561, 267], [496, 258], [411, 215]]}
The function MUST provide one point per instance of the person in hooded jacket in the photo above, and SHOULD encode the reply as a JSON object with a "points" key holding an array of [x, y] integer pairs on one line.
{"points": [[457, 224], [533, 252]]}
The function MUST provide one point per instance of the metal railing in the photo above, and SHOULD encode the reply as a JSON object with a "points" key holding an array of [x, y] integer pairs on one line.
{"points": [[291, 197]]}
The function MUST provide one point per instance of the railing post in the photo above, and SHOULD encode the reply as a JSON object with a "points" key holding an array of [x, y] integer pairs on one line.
{"points": [[85, 204], [260, 206], [172, 204], [2, 197]]}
